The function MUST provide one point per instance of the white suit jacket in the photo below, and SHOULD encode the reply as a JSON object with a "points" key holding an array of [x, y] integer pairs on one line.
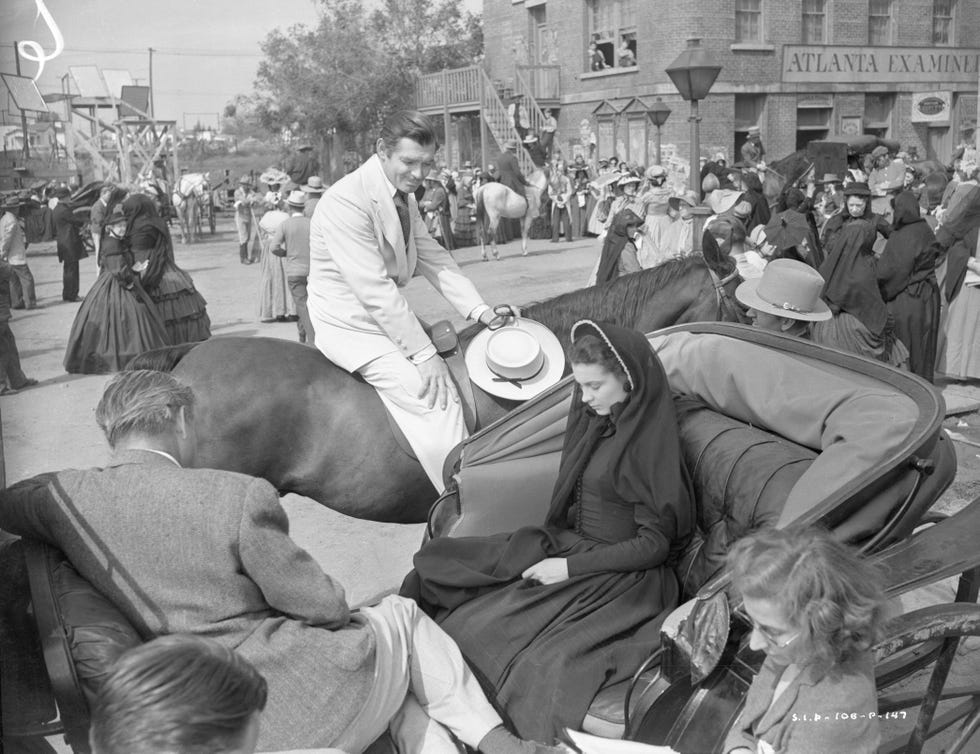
{"points": [[358, 262]]}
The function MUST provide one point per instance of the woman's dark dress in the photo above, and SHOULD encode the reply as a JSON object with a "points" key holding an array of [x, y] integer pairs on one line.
{"points": [[542, 652], [907, 278], [117, 320], [183, 309]]}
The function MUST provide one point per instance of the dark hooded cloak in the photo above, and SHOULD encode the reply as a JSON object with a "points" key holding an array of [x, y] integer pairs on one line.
{"points": [[612, 247]]}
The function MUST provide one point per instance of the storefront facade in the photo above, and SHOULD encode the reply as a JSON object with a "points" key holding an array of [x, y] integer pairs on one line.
{"points": [[905, 70]]}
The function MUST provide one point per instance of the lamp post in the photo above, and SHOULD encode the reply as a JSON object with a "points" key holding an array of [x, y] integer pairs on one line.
{"points": [[694, 73], [658, 113]]}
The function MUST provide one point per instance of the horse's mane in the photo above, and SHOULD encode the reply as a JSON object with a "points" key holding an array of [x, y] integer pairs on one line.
{"points": [[617, 301]]}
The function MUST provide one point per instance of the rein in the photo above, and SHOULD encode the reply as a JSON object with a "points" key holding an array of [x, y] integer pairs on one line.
{"points": [[722, 295]]}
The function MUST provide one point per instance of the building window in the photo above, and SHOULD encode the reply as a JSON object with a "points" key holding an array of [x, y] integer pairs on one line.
{"points": [[878, 114], [814, 22], [612, 34], [812, 120], [879, 22], [942, 21], [748, 20]]}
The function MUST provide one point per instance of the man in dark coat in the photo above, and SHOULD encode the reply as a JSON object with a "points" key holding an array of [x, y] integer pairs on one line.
{"points": [[302, 166], [70, 246], [509, 173]]}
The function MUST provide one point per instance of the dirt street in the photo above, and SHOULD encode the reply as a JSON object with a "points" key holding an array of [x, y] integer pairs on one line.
{"points": [[52, 426]]}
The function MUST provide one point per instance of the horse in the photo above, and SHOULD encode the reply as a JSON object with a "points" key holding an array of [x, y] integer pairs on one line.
{"points": [[784, 174], [495, 201], [282, 411], [188, 195]]}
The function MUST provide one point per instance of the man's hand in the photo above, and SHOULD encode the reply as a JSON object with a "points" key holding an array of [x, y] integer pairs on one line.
{"points": [[437, 384], [548, 571]]}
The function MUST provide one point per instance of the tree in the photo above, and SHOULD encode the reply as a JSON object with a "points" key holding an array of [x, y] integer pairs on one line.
{"points": [[350, 72]]}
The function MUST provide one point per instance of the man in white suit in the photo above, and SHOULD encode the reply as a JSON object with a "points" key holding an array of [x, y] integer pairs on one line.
{"points": [[367, 240]]}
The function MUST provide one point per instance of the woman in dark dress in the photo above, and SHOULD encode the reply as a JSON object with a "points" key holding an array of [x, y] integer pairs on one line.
{"points": [[117, 320], [861, 323], [548, 615], [907, 278], [183, 309]]}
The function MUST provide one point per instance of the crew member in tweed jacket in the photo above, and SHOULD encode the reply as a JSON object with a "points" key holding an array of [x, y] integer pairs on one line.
{"points": [[207, 552]]}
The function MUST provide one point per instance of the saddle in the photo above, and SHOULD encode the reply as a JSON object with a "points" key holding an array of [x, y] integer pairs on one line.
{"points": [[446, 341]]}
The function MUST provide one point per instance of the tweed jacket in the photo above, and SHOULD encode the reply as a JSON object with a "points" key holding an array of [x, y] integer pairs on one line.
{"points": [[813, 715], [208, 552], [358, 262]]}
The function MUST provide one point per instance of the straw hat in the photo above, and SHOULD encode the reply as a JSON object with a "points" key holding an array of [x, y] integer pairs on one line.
{"points": [[787, 288], [721, 200], [511, 144], [297, 199], [879, 151], [829, 178], [314, 185], [628, 178], [245, 181], [515, 362], [656, 171]]}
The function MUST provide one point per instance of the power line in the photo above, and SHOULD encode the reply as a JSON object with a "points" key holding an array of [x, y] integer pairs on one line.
{"points": [[163, 51]]}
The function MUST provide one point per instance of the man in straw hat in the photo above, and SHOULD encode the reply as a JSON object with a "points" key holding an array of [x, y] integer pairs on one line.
{"points": [[13, 250], [245, 197], [367, 240], [292, 241], [313, 189], [785, 299]]}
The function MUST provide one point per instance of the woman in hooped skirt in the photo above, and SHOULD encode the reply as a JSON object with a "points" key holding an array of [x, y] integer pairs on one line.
{"points": [[117, 320], [549, 614], [183, 309]]}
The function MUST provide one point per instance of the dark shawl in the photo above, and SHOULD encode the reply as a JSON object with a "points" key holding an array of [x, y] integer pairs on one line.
{"points": [[614, 244], [761, 214], [147, 231], [851, 282], [909, 257], [647, 464]]}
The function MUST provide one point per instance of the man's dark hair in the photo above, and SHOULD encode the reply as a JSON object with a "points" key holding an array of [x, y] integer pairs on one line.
{"points": [[408, 124], [178, 694]]}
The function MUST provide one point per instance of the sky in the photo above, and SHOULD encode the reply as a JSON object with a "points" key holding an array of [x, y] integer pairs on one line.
{"points": [[206, 51]]}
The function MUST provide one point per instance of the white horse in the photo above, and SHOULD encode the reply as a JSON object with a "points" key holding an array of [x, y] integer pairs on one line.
{"points": [[495, 201], [189, 193]]}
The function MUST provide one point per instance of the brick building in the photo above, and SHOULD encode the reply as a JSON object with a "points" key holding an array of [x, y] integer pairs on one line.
{"points": [[798, 69]]}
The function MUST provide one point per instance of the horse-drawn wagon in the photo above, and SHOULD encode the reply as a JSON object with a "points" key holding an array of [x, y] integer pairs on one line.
{"points": [[780, 432]]}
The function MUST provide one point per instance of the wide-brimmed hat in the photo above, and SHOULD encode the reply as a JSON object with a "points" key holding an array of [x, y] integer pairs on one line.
{"points": [[517, 361], [688, 197], [723, 199], [829, 178], [787, 288], [626, 179], [296, 198], [858, 188], [510, 144], [274, 177], [433, 175], [304, 146], [754, 130], [314, 185], [530, 139], [245, 180], [656, 171], [879, 151]]}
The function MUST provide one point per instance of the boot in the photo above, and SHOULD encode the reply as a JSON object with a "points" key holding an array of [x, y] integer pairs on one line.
{"points": [[243, 252]]}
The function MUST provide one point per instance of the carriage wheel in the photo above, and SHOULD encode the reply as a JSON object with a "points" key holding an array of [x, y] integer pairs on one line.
{"points": [[936, 708]]}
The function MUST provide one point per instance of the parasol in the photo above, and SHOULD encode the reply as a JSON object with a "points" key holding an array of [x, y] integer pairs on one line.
{"points": [[787, 230]]}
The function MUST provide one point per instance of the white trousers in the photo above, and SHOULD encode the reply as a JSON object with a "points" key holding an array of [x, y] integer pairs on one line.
{"points": [[422, 687], [432, 432]]}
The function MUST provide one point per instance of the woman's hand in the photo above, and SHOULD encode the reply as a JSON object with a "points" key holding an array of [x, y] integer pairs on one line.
{"points": [[548, 571]]}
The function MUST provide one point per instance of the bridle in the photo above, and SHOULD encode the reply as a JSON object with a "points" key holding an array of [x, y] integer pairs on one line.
{"points": [[722, 296]]}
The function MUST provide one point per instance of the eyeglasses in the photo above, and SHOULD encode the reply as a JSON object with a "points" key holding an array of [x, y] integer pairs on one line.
{"points": [[771, 638]]}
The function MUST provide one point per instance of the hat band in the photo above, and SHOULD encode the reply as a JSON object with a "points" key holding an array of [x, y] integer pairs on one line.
{"points": [[515, 381], [785, 305]]}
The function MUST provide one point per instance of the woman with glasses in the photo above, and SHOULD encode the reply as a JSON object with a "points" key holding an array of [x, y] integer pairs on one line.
{"points": [[815, 610]]}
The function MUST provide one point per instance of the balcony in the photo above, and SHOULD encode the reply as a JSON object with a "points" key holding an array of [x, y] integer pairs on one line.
{"points": [[458, 90]]}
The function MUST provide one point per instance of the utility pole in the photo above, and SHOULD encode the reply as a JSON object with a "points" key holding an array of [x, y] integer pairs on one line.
{"points": [[151, 81], [23, 114]]}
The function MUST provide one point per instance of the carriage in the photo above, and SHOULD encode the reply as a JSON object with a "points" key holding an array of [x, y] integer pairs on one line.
{"points": [[775, 431]]}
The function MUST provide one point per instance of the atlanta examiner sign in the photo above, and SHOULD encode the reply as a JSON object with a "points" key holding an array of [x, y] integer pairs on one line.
{"points": [[816, 64]]}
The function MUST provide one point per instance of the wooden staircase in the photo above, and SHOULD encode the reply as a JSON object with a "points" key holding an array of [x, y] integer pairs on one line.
{"points": [[501, 126]]}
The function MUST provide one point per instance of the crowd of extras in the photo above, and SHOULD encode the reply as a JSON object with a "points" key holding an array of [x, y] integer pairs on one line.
{"points": [[893, 247]]}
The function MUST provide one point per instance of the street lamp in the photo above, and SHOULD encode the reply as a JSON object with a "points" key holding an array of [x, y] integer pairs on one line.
{"points": [[693, 73], [658, 113]]}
